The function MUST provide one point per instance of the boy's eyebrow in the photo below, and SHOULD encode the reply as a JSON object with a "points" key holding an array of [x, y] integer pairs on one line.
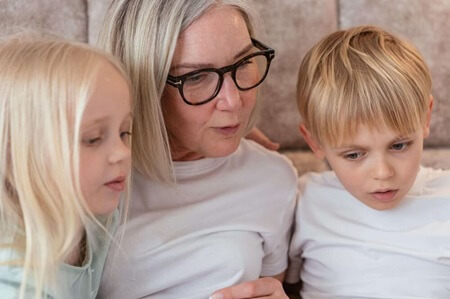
{"points": [[344, 147], [401, 138]]}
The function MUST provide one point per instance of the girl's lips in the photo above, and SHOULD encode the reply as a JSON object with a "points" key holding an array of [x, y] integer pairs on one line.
{"points": [[387, 195], [116, 185]]}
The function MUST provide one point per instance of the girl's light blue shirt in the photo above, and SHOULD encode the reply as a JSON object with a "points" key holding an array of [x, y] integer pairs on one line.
{"points": [[72, 282]]}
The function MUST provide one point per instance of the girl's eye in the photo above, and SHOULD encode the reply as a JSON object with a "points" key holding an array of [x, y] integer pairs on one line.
{"points": [[401, 146], [92, 141], [125, 135], [353, 156]]}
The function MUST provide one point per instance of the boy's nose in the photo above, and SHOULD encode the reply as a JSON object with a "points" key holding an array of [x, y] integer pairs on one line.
{"points": [[382, 169]]}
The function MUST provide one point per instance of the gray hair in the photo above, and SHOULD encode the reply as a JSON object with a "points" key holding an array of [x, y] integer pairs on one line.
{"points": [[143, 35]]}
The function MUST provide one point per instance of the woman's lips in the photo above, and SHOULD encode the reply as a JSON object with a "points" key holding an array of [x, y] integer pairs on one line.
{"points": [[230, 130], [386, 195]]}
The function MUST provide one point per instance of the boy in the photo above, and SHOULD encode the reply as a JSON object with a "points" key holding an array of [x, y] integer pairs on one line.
{"points": [[378, 226]]}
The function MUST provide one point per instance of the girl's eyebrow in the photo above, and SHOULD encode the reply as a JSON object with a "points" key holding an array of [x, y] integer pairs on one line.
{"points": [[196, 66]]}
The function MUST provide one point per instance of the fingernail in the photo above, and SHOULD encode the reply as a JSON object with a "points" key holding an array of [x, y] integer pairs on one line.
{"points": [[216, 296]]}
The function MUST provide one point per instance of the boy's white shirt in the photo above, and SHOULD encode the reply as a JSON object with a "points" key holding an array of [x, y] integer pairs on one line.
{"points": [[342, 248]]}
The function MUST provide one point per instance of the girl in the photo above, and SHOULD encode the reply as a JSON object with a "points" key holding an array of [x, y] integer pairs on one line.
{"points": [[65, 119]]}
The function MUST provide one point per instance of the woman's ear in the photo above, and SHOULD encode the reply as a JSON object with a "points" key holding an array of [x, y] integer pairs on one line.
{"points": [[426, 129], [311, 141]]}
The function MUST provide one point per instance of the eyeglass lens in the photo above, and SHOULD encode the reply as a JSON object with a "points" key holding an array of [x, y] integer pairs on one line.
{"points": [[203, 85]]}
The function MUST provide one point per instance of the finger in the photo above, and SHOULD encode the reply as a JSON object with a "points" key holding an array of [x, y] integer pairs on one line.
{"points": [[266, 287], [258, 136], [270, 145]]}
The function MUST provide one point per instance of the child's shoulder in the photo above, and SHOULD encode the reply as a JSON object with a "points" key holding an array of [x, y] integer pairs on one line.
{"points": [[431, 181], [325, 179], [10, 274]]}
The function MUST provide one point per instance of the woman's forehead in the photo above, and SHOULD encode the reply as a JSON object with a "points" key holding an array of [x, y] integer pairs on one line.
{"points": [[215, 38]]}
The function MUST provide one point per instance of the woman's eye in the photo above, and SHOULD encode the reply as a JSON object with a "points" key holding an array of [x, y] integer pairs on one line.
{"points": [[195, 79], [245, 63], [401, 145], [353, 156]]}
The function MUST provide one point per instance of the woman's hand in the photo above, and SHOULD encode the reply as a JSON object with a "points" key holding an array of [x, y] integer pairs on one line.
{"points": [[258, 136], [266, 287]]}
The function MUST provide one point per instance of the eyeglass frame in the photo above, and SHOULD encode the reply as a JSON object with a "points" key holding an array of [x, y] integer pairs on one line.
{"points": [[178, 81]]}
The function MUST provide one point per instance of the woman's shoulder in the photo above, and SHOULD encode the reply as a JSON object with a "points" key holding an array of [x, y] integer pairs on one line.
{"points": [[255, 153]]}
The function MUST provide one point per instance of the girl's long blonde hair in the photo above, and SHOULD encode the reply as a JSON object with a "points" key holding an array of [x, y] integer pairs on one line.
{"points": [[143, 35], [45, 86]]}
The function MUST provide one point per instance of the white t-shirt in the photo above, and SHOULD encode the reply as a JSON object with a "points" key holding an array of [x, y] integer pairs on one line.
{"points": [[343, 249], [226, 221]]}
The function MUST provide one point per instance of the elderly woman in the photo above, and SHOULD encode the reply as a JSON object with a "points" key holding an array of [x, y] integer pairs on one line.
{"points": [[211, 210]]}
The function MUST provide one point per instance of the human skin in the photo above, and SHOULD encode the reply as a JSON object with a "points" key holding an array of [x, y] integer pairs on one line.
{"points": [[213, 129], [105, 154], [376, 165]]}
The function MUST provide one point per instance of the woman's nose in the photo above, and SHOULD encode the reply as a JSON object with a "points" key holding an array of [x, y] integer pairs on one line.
{"points": [[229, 97]]}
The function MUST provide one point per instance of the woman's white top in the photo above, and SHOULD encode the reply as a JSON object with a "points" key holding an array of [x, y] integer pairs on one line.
{"points": [[226, 221]]}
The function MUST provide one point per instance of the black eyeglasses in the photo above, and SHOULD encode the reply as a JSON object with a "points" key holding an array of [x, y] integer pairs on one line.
{"points": [[201, 86]]}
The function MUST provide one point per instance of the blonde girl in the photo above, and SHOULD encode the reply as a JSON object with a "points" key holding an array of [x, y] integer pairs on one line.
{"points": [[65, 119]]}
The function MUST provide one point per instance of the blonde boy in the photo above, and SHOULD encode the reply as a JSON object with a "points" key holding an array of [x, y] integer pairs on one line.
{"points": [[378, 226]]}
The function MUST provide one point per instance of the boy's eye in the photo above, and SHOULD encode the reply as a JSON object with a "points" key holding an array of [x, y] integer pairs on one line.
{"points": [[401, 145], [353, 156]]}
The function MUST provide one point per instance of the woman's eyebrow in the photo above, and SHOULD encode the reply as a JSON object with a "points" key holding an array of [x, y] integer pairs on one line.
{"points": [[244, 51], [196, 66]]}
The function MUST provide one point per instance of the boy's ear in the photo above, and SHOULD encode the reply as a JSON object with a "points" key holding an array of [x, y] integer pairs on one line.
{"points": [[311, 141], [426, 130]]}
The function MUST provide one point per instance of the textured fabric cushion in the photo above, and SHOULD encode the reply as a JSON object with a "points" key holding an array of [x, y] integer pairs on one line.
{"points": [[65, 18], [96, 12], [292, 28]]}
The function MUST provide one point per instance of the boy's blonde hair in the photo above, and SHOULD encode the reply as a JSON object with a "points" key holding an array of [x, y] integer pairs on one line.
{"points": [[143, 35], [45, 87], [362, 75]]}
